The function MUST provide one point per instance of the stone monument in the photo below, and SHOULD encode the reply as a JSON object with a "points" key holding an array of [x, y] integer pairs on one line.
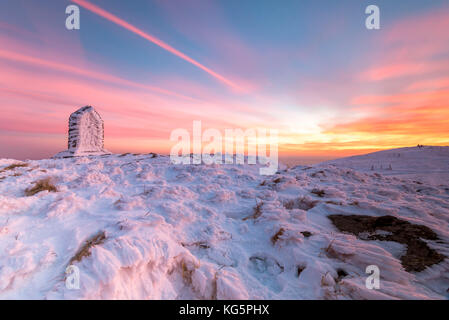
{"points": [[86, 134]]}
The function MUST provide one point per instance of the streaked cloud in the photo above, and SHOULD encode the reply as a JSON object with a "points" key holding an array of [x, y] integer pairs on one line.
{"points": [[113, 18]]}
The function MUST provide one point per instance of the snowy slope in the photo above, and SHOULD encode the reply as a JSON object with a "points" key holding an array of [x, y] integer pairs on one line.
{"points": [[208, 232], [428, 164]]}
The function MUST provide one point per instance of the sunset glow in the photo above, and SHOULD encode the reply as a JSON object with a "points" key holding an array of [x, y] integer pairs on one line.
{"points": [[330, 86]]}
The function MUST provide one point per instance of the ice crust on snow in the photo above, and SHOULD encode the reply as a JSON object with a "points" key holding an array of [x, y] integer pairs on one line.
{"points": [[183, 232], [85, 135]]}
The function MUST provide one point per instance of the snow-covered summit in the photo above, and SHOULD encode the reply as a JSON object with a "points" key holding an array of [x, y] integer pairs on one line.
{"points": [[85, 135], [426, 164], [139, 227]]}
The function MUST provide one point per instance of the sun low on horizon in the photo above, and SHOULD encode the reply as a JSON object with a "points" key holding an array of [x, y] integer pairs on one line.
{"points": [[310, 69]]}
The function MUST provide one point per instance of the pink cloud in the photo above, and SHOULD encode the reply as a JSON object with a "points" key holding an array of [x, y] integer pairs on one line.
{"points": [[413, 46], [427, 84], [397, 70]]}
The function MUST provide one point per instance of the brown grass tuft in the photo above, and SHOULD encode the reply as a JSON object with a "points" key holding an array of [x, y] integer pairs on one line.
{"points": [[320, 193], [341, 274], [300, 203], [335, 203], [84, 251], [331, 252], [13, 166], [300, 269], [277, 180], [187, 273], [315, 174], [200, 244], [276, 237], [41, 185], [306, 234], [257, 212], [214, 287]]}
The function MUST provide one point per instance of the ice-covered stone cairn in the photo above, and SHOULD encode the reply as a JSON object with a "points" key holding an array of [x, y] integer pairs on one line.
{"points": [[86, 134]]}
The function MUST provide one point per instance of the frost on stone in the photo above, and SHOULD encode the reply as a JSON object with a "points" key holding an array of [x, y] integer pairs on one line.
{"points": [[86, 134]]}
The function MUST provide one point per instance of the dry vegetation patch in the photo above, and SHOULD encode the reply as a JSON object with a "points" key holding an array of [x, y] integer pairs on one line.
{"points": [[257, 212], [41, 185], [14, 166], [85, 250], [277, 236], [306, 234], [319, 192], [300, 269], [418, 256], [124, 154], [300, 203], [200, 244]]}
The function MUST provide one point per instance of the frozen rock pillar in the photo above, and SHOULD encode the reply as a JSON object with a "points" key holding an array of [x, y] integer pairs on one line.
{"points": [[86, 134]]}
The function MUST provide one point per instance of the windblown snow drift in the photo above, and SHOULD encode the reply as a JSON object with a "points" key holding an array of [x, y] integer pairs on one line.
{"points": [[138, 227]]}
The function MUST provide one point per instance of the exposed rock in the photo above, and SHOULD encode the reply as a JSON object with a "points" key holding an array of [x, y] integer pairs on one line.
{"points": [[419, 255], [86, 134]]}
